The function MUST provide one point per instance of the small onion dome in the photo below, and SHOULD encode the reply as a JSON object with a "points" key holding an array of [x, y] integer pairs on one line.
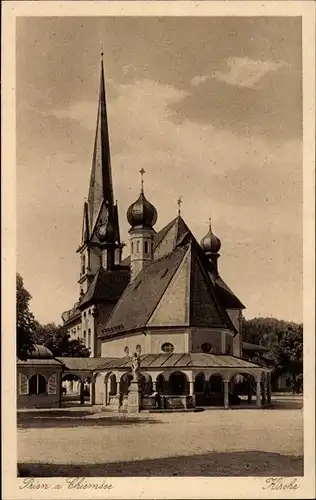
{"points": [[210, 243], [106, 232], [40, 352], [142, 213]]}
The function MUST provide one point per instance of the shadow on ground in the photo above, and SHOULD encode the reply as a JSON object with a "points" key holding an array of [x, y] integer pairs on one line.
{"points": [[82, 419], [247, 463]]}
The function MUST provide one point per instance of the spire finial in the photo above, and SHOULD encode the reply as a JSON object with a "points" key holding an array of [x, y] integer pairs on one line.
{"points": [[179, 202], [210, 223], [102, 52], [142, 172]]}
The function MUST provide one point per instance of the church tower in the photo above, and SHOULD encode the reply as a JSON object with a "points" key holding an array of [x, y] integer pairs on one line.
{"points": [[211, 245], [100, 243], [142, 216]]}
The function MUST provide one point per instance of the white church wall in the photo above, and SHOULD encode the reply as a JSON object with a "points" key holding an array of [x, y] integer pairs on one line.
{"points": [[237, 351], [229, 344], [179, 339], [234, 315], [115, 347], [74, 329]]}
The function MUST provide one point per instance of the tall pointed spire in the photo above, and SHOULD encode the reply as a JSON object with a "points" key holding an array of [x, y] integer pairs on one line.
{"points": [[101, 187]]}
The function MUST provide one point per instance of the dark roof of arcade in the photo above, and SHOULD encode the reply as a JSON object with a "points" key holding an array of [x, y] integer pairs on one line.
{"points": [[163, 360]]}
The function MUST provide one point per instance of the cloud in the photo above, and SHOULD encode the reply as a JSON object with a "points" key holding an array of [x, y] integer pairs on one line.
{"points": [[199, 79], [241, 71], [246, 72]]}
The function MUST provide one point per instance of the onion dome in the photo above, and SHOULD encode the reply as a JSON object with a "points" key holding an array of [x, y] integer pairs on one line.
{"points": [[210, 243], [40, 352], [142, 212]]}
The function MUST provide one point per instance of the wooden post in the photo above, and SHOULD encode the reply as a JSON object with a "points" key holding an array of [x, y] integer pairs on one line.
{"points": [[92, 393], [81, 392], [264, 390], [269, 389], [258, 393], [226, 393]]}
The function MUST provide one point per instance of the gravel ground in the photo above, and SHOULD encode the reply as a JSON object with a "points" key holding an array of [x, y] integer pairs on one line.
{"points": [[209, 443]]}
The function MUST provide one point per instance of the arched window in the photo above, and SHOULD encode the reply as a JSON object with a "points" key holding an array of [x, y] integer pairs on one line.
{"points": [[132, 247], [89, 338], [206, 347], [146, 247], [83, 264], [84, 337], [167, 347], [137, 246], [139, 349], [126, 350], [37, 384]]}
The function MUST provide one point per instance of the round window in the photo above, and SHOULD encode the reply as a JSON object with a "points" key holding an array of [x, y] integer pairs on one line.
{"points": [[206, 347], [167, 347]]}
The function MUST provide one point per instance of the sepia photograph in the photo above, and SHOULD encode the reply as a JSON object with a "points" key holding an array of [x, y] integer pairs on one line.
{"points": [[159, 196]]}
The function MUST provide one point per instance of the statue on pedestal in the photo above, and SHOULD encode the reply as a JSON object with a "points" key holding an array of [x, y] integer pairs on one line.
{"points": [[136, 367]]}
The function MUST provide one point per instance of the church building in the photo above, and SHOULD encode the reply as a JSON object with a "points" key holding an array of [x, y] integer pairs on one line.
{"points": [[166, 303]]}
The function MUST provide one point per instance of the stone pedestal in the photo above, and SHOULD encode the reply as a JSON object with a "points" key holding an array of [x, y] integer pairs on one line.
{"points": [[134, 398]]}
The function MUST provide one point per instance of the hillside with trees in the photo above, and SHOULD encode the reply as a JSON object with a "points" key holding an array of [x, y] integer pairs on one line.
{"points": [[285, 342]]}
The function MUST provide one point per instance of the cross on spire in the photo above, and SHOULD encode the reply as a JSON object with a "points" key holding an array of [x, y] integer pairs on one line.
{"points": [[179, 202], [142, 172]]}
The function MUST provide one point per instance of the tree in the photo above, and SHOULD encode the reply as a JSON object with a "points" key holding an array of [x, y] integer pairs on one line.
{"points": [[263, 331], [285, 342], [25, 322], [287, 353], [56, 338]]}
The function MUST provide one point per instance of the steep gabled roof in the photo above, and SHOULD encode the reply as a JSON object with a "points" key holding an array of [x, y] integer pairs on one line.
{"points": [[142, 295], [206, 309], [177, 233], [226, 296], [175, 290], [107, 286]]}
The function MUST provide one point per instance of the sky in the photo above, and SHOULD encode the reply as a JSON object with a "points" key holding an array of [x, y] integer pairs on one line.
{"points": [[209, 107]]}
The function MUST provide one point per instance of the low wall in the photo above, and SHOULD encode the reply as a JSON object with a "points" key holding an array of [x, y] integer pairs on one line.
{"points": [[168, 402], [38, 401]]}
